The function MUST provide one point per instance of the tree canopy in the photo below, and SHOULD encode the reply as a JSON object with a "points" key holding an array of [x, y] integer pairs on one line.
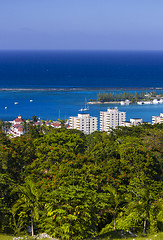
{"points": [[76, 186]]}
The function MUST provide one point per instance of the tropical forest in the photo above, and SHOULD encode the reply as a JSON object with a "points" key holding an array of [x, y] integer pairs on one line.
{"points": [[75, 186]]}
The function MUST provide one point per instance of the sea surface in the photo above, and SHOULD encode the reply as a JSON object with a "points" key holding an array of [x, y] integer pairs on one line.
{"points": [[59, 82]]}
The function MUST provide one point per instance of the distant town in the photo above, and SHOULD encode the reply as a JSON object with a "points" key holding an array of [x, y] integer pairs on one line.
{"points": [[127, 98], [109, 119]]}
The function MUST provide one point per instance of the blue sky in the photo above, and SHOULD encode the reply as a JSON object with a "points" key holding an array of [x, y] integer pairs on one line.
{"points": [[81, 24]]}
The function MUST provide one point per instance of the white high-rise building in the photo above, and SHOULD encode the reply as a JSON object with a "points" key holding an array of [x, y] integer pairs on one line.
{"points": [[111, 119], [84, 122], [157, 119]]}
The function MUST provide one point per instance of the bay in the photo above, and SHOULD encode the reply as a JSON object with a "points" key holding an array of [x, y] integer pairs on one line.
{"points": [[52, 105], [60, 81]]}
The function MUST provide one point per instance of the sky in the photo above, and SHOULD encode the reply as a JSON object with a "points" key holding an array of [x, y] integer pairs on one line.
{"points": [[81, 24]]}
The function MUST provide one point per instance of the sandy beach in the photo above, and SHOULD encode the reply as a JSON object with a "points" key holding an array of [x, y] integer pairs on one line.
{"points": [[96, 102]]}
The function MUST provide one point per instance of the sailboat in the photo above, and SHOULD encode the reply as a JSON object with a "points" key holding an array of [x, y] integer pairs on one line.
{"points": [[86, 108]]}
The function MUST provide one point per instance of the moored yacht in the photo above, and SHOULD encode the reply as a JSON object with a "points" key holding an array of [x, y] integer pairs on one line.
{"points": [[86, 108]]}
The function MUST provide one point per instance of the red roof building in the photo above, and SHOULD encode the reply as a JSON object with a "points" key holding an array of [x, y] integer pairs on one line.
{"points": [[56, 125], [18, 120], [17, 130]]}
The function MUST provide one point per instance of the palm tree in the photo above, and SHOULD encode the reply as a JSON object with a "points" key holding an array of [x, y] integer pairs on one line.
{"points": [[25, 125], [142, 205], [116, 201], [28, 201], [34, 119]]}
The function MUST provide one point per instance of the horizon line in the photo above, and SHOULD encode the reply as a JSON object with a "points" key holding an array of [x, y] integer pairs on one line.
{"points": [[98, 50]]}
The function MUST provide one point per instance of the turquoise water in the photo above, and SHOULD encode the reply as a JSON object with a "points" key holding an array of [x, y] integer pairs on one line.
{"points": [[75, 69], [54, 104]]}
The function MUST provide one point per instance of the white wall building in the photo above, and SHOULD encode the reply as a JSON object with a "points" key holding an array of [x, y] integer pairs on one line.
{"points": [[111, 119], [157, 119], [17, 128], [84, 122], [136, 121], [133, 122], [18, 120]]}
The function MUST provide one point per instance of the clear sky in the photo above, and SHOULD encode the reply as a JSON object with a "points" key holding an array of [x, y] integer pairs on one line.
{"points": [[81, 24]]}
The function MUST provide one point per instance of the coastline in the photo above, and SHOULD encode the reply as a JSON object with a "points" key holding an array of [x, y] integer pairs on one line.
{"points": [[79, 89], [55, 104], [94, 102]]}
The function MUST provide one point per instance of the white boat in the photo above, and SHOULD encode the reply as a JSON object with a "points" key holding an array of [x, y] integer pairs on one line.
{"points": [[31, 100], [147, 102], [15, 102], [5, 107], [155, 101], [139, 103], [81, 109], [127, 102], [122, 103], [86, 108]]}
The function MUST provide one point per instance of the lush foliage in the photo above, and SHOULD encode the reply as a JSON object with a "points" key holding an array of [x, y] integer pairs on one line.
{"points": [[74, 186], [133, 97]]}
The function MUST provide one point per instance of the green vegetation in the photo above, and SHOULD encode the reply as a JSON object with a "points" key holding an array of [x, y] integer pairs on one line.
{"points": [[133, 97], [6, 237], [117, 236], [109, 236], [74, 186]]}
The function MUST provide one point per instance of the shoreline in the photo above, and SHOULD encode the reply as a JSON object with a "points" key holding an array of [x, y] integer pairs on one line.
{"points": [[79, 89], [94, 102]]}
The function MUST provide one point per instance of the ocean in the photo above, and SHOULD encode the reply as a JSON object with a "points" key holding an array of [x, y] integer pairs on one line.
{"points": [[58, 82]]}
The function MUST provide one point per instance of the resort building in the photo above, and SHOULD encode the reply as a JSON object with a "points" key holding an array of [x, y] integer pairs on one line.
{"points": [[111, 119], [17, 128], [127, 124], [133, 122], [38, 123], [56, 124], [155, 101], [136, 121], [18, 120], [83, 122], [157, 119]]}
